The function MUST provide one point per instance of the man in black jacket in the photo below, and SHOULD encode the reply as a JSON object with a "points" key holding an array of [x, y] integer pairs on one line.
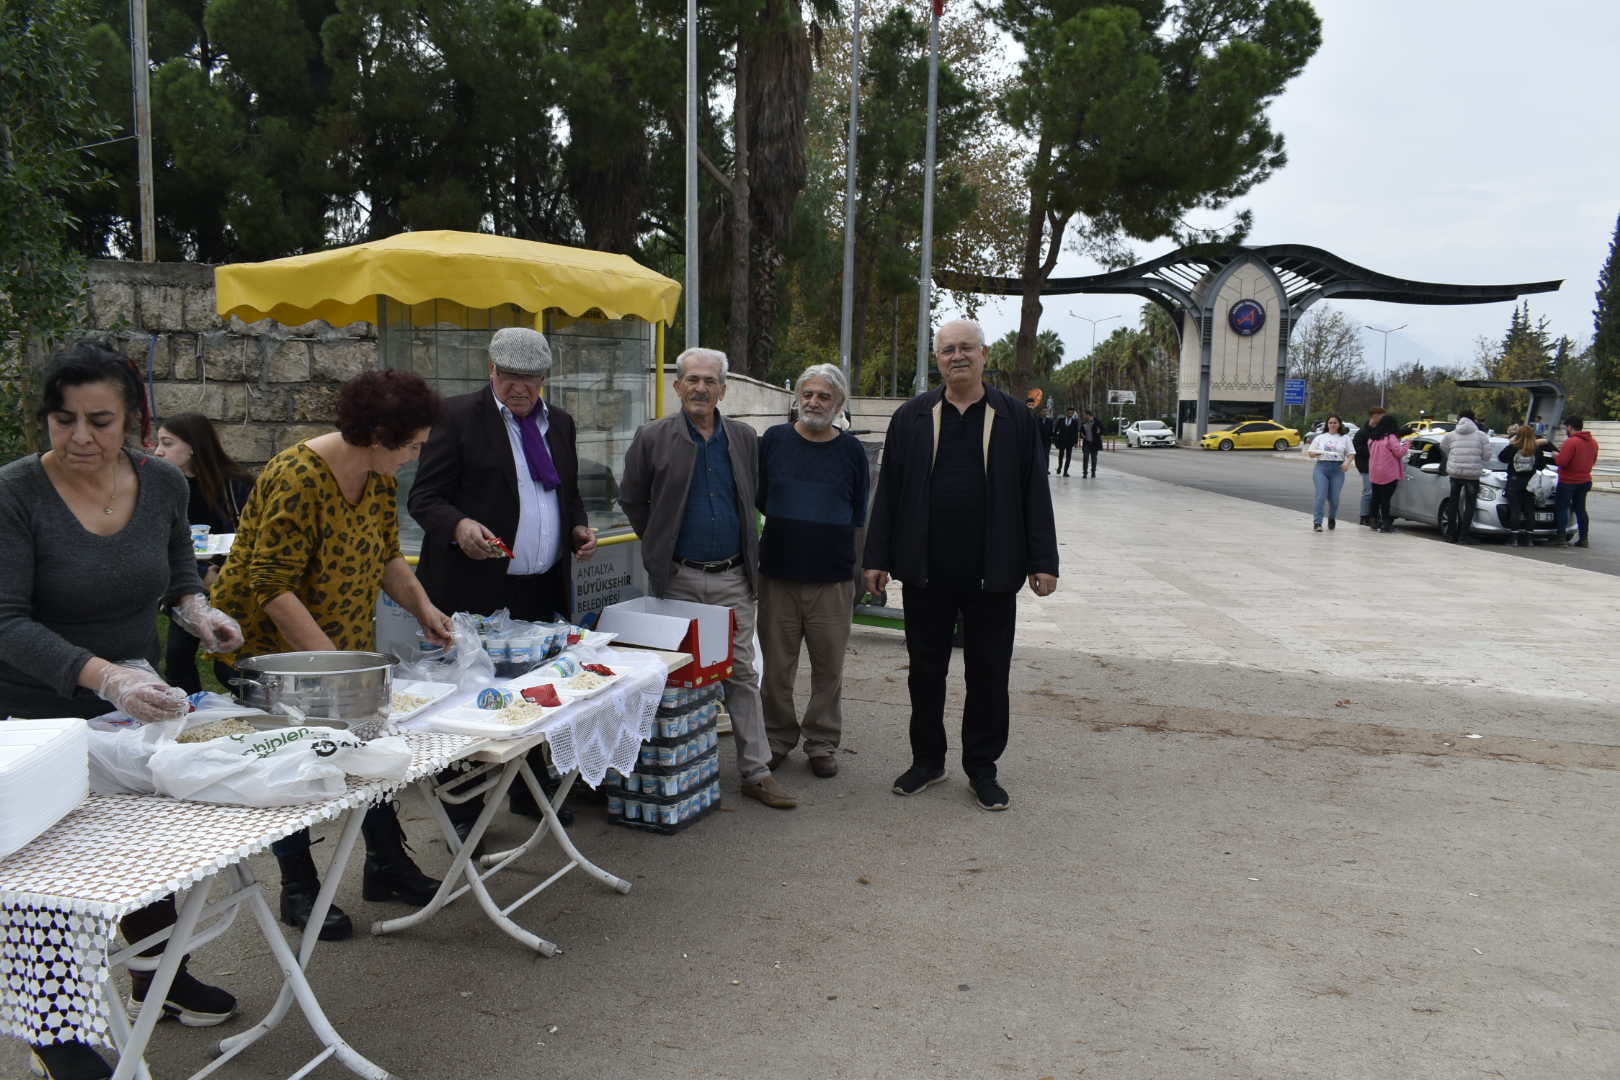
{"points": [[1359, 442], [1091, 442], [1066, 438], [963, 517]]}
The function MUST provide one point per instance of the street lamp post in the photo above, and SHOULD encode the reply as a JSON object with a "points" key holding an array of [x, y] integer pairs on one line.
{"points": [[1383, 384], [1091, 393]]}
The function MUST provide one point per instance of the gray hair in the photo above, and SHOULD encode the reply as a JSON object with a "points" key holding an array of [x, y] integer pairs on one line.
{"points": [[831, 374], [696, 353], [978, 330]]}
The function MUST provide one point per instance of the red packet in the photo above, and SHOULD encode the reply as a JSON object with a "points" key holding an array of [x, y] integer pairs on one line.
{"points": [[501, 544], [545, 694], [599, 669]]}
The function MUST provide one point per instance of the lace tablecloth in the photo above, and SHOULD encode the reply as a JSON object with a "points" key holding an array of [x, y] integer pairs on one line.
{"points": [[601, 732], [62, 895]]}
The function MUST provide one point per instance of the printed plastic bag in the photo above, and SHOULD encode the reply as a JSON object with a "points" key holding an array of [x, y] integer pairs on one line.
{"points": [[281, 767], [121, 747]]}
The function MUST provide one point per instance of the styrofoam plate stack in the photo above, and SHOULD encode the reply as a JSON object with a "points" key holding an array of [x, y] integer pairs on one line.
{"points": [[44, 774]]}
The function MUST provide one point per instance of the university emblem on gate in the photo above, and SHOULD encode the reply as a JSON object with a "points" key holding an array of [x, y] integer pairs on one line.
{"points": [[1246, 317]]}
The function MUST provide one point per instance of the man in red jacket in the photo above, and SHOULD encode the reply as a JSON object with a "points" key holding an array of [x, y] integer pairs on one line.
{"points": [[1575, 460]]}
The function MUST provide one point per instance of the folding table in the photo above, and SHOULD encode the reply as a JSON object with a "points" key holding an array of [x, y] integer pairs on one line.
{"points": [[61, 898], [585, 739]]}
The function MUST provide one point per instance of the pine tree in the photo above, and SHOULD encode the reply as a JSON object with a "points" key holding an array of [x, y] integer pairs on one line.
{"points": [[1606, 330]]}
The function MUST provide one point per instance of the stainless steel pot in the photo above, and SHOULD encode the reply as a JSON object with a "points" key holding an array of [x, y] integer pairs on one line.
{"points": [[354, 688]]}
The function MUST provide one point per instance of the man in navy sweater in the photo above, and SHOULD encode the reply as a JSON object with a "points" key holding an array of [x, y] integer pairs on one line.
{"points": [[812, 491]]}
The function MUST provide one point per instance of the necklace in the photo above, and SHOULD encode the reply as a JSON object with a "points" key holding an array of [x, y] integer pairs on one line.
{"points": [[114, 496]]}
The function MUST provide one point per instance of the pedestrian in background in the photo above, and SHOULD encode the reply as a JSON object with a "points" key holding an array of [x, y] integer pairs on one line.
{"points": [[1466, 449], [1575, 460], [1333, 452], [1359, 440], [219, 488], [1386, 463], [1091, 440], [812, 490], [1066, 437], [1525, 455]]}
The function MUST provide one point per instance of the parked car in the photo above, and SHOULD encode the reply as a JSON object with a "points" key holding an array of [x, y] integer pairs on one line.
{"points": [[1424, 493], [1150, 433], [1349, 429], [1252, 435], [1418, 427]]}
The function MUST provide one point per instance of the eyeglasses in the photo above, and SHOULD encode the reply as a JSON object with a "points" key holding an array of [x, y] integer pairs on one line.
{"points": [[952, 350]]}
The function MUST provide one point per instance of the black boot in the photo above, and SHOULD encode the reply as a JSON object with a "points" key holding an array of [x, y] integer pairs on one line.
{"points": [[1366, 519], [193, 1003], [70, 1061], [389, 872], [299, 884]]}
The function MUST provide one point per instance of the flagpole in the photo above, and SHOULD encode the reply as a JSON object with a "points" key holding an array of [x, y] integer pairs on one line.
{"points": [[846, 312], [925, 280], [691, 176]]}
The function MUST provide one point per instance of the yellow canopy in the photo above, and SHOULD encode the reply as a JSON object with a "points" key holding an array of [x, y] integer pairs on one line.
{"points": [[472, 269]]}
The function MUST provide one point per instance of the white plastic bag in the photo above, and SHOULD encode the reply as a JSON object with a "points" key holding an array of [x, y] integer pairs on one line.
{"points": [[121, 747], [469, 666], [281, 767]]}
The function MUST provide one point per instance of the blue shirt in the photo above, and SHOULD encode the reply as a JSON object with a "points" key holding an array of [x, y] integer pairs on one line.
{"points": [[711, 528]]}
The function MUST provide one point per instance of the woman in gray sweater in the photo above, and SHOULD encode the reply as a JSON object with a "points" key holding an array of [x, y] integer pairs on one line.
{"points": [[93, 536]]}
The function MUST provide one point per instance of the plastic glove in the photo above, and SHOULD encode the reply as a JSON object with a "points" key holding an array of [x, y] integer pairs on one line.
{"points": [[139, 692], [217, 631]]}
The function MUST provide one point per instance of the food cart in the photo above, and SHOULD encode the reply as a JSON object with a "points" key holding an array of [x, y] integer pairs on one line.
{"points": [[435, 298]]}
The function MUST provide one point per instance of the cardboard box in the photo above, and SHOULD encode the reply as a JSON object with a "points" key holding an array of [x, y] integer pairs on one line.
{"points": [[704, 630]]}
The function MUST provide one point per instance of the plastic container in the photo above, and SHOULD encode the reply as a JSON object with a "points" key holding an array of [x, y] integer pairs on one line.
{"points": [[44, 774]]}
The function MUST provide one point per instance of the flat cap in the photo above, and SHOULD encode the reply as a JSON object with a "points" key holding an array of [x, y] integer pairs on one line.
{"points": [[520, 350]]}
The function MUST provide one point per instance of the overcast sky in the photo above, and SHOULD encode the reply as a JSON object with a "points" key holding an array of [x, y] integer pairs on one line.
{"points": [[1457, 141]]}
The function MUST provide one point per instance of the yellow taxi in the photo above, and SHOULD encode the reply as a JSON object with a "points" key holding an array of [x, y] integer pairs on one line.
{"points": [[1427, 426], [1252, 435]]}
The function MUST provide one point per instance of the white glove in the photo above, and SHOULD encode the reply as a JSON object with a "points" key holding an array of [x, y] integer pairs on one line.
{"points": [[217, 631], [139, 692]]}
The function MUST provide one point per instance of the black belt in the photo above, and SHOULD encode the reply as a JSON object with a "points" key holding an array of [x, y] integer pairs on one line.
{"points": [[711, 567]]}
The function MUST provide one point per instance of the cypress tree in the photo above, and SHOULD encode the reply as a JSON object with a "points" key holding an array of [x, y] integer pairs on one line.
{"points": [[1606, 330]]}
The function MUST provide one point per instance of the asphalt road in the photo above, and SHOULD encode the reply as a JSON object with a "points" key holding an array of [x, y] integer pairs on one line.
{"points": [[1283, 479]]}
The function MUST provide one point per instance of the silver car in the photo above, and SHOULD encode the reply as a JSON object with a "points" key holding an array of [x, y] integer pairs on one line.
{"points": [[1424, 493]]}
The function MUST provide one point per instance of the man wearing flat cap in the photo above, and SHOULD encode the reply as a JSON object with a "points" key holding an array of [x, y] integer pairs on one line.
{"points": [[503, 467]]}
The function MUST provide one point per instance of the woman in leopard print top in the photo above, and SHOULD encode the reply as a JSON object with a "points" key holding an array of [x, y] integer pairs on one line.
{"points": [[319, 537]]}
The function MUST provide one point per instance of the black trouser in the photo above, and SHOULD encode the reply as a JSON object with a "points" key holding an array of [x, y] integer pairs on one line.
{"points": [[987, 636], [1088, 459], [1521, 502], [1065, 456], [1382, 494], [1464, 496]]}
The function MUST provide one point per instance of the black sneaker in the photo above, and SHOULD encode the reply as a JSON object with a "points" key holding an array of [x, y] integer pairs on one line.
{"points": [[193, 1003], [69, 1061], [989, 794], [917, 778]]}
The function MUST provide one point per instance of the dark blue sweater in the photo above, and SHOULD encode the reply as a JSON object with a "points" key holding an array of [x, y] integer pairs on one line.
{"points": [[813, 495]]}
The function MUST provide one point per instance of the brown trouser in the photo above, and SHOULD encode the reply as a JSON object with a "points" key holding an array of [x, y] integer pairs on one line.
{"points": [[816, 616]]}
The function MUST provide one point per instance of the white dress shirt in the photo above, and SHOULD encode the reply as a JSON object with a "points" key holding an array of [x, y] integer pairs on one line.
{"points": [[539, 541]]}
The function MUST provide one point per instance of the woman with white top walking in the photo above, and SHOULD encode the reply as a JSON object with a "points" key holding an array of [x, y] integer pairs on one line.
{"points": [[1334, 454]]}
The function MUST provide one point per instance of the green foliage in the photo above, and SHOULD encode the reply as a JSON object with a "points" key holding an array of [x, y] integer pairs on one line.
{"points": [[1605, 355], [46, 115], [1142, 111], [1145, 359]]}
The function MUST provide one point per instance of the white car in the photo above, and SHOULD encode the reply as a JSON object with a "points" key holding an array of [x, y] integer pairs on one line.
{"points": [[1150, 433]]}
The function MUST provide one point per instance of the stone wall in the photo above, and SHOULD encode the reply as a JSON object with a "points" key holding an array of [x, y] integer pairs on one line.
{"points": [[266, 386]]}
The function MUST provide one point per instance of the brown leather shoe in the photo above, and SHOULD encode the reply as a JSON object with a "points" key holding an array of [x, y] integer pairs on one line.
{"points": [[824, 766], [771, 793]]}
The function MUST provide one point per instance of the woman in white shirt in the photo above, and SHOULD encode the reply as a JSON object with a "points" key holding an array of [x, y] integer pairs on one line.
{"points": [[1334, 454]]}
